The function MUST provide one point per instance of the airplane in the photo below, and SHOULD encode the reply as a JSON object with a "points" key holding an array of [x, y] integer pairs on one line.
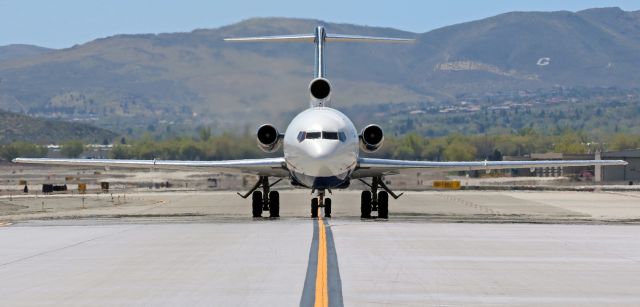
{"points": [[321, 149]]}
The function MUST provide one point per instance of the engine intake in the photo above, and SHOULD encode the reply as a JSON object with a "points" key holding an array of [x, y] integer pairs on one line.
{"points": [[371, 138], [320, 88], [268, 138]]}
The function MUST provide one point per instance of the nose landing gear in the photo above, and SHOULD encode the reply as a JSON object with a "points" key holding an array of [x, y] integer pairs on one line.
{"points": [[320, 202], [373, 200], [264, 200]]}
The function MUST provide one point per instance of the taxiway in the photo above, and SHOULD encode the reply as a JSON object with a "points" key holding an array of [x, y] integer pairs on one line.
{"points": [[438, 248]]}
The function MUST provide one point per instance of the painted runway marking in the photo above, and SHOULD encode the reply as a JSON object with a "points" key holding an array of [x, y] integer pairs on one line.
{"points": [[322, 293], [322, 286]]}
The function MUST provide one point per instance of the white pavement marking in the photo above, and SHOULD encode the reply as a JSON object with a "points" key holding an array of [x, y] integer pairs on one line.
{"points": [[422, 264], [229, 264]]}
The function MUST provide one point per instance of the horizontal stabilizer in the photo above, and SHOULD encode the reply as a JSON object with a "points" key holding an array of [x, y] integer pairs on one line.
{"points": [[368, 39], [328, 38], [277, 38]]}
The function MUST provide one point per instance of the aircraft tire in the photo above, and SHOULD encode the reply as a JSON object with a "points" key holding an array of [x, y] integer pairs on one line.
{"points": [[256, 203], [383, 205], [365, 205], [327, 207], [314, 207], [274, 204]]}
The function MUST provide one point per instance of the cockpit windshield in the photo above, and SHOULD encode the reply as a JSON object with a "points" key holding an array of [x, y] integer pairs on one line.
{"points": [[327, 135]]}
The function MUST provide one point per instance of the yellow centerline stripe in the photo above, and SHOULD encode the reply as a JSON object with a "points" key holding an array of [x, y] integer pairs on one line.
{"points": [[322, 291]]}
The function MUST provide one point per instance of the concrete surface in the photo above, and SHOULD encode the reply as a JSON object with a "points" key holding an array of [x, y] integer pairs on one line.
{"points": [[222, 264], [437, 249], [415, 264], [445, 206]]}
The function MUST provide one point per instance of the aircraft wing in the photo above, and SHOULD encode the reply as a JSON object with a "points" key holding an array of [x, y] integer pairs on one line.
{"points": [[274, 167], [369, 167]]}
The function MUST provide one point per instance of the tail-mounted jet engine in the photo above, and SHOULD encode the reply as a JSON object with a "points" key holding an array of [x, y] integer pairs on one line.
{"points": [[320, 88], [268, 138], [371, 138]]}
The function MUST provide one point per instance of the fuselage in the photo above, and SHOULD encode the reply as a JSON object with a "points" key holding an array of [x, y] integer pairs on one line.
{"points": [[321, 148]]}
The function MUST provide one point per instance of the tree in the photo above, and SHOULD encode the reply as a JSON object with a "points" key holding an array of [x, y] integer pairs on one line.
{"points": [[72, 149], [459, 151], [22, 149], [623, 141], [434, 149], [496, 156], [120, 151], [205, 133], [570, 143]]}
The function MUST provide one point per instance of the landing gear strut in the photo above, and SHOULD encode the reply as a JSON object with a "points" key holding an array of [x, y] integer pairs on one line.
{"points": [[373, 200], [264, 200], [320, 202]]}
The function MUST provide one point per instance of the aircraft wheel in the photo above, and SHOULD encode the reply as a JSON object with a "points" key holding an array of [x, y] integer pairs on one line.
{"points": [[383, 205], [274, 204], [365, 205], [327, 207], [256, 203], [314, 207]]}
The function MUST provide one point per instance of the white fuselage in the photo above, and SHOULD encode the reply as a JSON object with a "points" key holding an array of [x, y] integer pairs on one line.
{"points": [[321, 148]]}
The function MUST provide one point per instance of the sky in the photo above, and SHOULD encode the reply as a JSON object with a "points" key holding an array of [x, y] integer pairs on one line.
{"points": [[64, 23]]}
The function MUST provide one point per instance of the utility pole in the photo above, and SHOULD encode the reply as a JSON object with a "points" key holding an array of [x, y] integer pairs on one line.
{"points": [[598, 168]]}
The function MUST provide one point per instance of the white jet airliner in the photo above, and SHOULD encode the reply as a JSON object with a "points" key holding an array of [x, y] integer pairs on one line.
{"points": [[321, 149]]}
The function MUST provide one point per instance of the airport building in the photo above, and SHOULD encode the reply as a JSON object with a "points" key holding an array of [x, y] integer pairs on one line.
{"points": [[627, 173]]}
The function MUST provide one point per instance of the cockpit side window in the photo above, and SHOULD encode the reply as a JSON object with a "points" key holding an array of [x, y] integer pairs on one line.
{"points": [[342, 137], [301, 136]]}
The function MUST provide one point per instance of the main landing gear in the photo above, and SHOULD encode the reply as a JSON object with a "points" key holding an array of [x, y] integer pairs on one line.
{"points": [[373, 200], [264, 200], [320, 202]]}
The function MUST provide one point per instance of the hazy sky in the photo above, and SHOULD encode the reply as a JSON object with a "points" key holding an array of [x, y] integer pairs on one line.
{"points": [[63, 23]]}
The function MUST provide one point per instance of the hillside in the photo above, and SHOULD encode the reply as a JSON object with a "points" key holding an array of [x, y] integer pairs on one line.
{"points": [[16, 127], [18, 51], [192, 79]]}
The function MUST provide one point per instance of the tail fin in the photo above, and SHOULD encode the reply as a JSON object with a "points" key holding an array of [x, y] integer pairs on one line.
{"points": [[319, 38]]}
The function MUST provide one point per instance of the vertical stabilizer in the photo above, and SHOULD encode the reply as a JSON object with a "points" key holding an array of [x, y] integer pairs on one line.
{"points": [[319, 40]]}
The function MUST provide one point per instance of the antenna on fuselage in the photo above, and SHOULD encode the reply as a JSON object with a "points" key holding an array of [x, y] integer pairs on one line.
{"points": [[320, 88]]}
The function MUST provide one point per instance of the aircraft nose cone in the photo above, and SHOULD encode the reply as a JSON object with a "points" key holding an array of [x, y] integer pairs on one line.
{"points": [[322, 151]]}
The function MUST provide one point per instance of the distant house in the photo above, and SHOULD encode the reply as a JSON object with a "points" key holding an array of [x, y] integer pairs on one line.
{"points": [[91, 151], [53, 151]]}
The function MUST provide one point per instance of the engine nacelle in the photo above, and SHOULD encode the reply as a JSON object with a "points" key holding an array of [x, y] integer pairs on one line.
{"points": [[320, 88], [268, 138], [371, 138]]}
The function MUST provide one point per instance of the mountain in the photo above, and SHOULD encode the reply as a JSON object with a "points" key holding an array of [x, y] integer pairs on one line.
{"points": [[17, 51], [195, 78], [525, 50], [16, 127]]}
